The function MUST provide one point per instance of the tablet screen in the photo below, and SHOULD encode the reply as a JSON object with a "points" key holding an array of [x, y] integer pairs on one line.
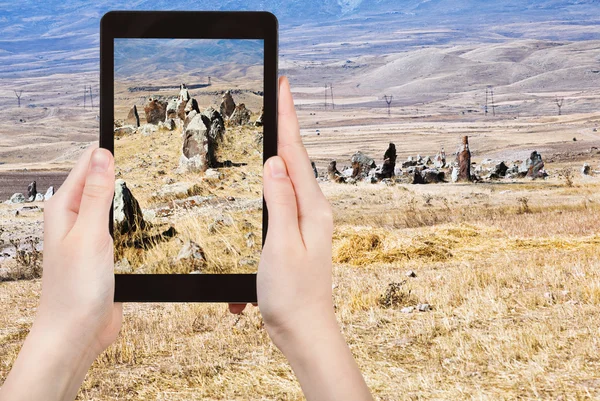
{"points": [[188, 146]]}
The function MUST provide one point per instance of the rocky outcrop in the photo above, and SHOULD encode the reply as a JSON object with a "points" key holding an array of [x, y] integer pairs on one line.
{"points": [[155, 111], [240, 116], [463, 158], [127, 214], [227, 105], [133, 117], [361, 165], [389, 163], [195, 150]]}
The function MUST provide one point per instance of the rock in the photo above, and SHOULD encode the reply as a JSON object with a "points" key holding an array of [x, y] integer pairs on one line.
{"points": [[189, 117], [172, 106], [191, 251], [586, 169], [408, 309], [123, 267], [533, 166], [216, 129], [247, 262], [183, 93], [149, 214], [417, 178], [212, 173], [240, 116], [463, 158], [333, 174], [499, 170], [439, 160], [423, 307], [168, 124], [195, 147], [250, 240], [148, 129], [49, 193], [411, 274], [31, 191], [124, 130], [175, 189], [127, 214], [39, 197], [16, 198], [389, 163], [156, 111], [361, 165], [227, 105], [220, 220], [314, 167], [191, 105], [259, 120], [133, 118], [409, 163], [454, 173], [432, 176]]}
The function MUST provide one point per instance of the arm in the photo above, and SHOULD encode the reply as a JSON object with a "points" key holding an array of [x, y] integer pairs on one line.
{"points": [[294, 276], [76, 318]]}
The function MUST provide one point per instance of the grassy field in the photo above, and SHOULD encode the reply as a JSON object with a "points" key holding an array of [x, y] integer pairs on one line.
{"points": [[513, 285]]}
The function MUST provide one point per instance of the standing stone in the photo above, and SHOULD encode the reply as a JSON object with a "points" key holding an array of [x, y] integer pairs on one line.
{"points": [[439, 161], [227, 105], [191, 105], [464, 160], [188, 118], [156, 111], [586, 169], [195, 148], [184, 95], [361, 165], [240, 116], [314, 167], [533, 165], [389, 163], [127, 214], [216, 129], [39, 197], [31, 191], [172, 108], [49, 194], [133, 117], [16, 198], [333, 174], [432, 176], [259, 120]]}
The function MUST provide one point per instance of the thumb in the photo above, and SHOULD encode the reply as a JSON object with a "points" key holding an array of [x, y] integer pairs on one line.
{"points": [[97, 196], [280, 197]]}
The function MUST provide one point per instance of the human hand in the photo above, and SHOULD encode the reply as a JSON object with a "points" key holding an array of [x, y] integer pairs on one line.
{"points": [[76, 318]]}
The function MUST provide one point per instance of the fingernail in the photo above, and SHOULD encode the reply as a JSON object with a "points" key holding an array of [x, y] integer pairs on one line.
{"points": [[277, 167], [99, 161]]}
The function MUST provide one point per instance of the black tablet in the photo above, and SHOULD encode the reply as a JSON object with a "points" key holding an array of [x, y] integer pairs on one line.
{"points": [[189, 110]]}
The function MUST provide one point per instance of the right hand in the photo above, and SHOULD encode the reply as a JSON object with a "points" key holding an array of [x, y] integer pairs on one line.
{"points": [[294, 275]]}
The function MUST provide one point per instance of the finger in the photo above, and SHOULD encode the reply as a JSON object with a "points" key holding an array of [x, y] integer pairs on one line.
{"points": [[313, 208], [236, 309], [60, 212], [281, 203], [97, 195]]}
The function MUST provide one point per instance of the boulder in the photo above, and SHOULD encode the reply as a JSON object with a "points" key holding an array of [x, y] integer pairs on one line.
{"points": [[455, 172], [192, 253], [227, 105], [189, 117], [155, 111], [191, 105], [31, 191], [133, 118], [49, 194], [361, 165], [124, 130], [172, 108], [127, 214], [498, 170], [586, 169], [533, 166], [184, 94], [389, 163], [259, 120], [216, 129], [240, 116], [39, 197], [148, 129], [333, 174], [416, 177], [168, 124], [439, 160], [463, 158], [195, 147], [432, 176], [17, 198]]}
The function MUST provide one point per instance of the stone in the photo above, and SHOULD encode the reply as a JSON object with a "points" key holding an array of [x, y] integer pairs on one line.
{"points": [[423, 307], [314, 167], [148, 129], [240, 116], [49, 193], [409, 163], [133, 118], [192, 252], [175, 189], [216, 130], [408, 309], [333, 174], [411, 274], [16, 198], [189, 117], [533, 166], [220, 220], [194, 157], [227, 105], [463, 158], [123, 267], [124, 130], [191, 105], [259, 120], [155, 111], [168, 124], [127, 214], [172, 108], [250, 239], [499, 170], [31, 191], [389, 163], [184, 94], [361, 165], [586, 169], [454, 173], [213, 174], [39, 197], [439, 160]]}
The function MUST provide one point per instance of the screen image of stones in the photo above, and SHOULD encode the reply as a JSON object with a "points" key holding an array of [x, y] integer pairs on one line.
{"points": [[188, 185]]}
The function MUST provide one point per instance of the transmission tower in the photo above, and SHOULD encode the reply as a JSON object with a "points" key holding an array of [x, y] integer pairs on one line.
{"points": [[18, 95], [332, 102], [388, 100]]}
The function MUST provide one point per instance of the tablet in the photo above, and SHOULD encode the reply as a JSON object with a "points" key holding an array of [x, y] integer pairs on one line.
{"points": [[189, 110]]}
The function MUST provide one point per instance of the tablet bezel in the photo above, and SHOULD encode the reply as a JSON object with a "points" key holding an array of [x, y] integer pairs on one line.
{"points": [[234, 288]]}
